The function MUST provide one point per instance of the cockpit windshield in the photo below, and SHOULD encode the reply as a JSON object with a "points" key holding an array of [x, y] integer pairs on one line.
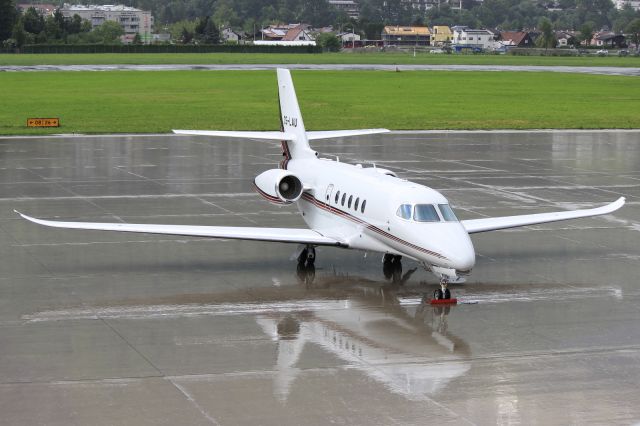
{"points": [[425, 213], [404, 211], [447, 214]]}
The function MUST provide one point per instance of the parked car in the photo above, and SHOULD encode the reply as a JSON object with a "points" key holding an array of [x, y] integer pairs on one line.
{"points": [[436, 51], [602, 52], [623, 52]]}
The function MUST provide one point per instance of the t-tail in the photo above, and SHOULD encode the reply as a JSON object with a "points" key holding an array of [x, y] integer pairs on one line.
{"points": [[291, 121], [293, 136]]}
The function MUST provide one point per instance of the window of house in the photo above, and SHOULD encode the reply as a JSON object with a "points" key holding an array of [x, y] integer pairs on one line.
{"points": [[425, 213]]}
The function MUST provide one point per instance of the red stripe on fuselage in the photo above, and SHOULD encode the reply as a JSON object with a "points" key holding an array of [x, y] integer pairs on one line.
{"points": [[267, 196], [324, 206]]}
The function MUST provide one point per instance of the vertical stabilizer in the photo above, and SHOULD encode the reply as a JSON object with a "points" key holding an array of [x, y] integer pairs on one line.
{"points": [[291, 119]]}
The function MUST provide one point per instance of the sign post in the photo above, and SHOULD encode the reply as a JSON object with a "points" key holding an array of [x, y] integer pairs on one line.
{"points": [[43, 122]]}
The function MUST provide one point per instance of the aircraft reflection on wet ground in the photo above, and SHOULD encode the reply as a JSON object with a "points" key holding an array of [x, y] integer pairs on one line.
{"points": [[387, 331]]}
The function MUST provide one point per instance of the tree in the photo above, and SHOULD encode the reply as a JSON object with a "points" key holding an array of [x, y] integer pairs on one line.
{"points": [[137, 39], [224, 14], [586, 33], [109, 32], [329, 42], [634, 29], [207, 32], [547, 38], [32, 21], [18, 34], [7, 18]]}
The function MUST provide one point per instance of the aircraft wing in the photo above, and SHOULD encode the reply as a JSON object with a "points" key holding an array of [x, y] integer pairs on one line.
{"points": [[494, 223], [343, 133], [277, 136], [281, 235]]}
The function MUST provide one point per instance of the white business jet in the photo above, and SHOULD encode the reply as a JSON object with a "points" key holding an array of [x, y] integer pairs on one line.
{"points": [[349, 206]]}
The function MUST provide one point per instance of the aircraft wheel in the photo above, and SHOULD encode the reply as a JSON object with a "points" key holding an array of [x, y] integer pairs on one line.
{"points": [[438, 295], [447, 294], [311, 256], [302, 258]]}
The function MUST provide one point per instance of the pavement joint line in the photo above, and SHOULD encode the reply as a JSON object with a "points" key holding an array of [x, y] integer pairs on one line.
{"points": [[113, 329], [192, 400]]}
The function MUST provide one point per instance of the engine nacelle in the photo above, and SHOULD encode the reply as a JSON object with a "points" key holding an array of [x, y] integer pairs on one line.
{"points": [[279, 186]]}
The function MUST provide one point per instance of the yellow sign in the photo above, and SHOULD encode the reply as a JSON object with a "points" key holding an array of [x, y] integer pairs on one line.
{"points": [[43, 122]]}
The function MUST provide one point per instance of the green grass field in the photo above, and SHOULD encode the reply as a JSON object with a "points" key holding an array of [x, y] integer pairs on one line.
{"points": [[324, 58], [144, 102]]}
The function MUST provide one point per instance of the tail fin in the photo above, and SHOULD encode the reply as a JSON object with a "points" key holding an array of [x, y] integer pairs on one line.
{"points": [[291, 120]]}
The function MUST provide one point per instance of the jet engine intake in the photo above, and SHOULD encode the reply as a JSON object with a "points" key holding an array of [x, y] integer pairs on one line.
{"points": [[279, 186]]}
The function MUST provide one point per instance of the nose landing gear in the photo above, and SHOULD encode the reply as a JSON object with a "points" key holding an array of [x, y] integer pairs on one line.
{"points": [[443, 295]]}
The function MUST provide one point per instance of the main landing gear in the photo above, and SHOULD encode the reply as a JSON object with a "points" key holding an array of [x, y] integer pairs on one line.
{"points": [[306, 269], [392, 267]]}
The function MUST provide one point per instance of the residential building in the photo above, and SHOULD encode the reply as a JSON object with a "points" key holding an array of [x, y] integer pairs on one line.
{"points": [[229, 35], [441, 35], [298, 33], [348, 37], [465, 37], [406, 36], [134, 21], [350, 7], [42, 8], [516, 39], [608, 39], [635, 4], [564, 38], [286, 35], [278, 32]]}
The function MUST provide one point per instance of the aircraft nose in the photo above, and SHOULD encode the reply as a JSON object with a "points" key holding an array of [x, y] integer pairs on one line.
{"points": [[463, 259]]}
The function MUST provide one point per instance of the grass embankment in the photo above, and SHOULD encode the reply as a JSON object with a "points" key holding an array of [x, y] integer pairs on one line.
{"points": [[391, 58], [141, 102]]}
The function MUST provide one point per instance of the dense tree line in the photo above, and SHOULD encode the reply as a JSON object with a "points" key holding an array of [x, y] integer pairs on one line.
{"points": [[199, 21], [251, 15]]}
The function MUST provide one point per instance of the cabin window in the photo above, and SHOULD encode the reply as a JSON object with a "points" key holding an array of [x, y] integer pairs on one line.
{"points": [[447, 214], [404, 211], [355, 206], [337, 197], [344, 197], [364, 203], [350, 200], [425, 213]]}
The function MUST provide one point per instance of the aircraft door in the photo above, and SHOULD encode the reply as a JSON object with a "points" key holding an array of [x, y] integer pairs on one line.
{"points": [[327, 197]]}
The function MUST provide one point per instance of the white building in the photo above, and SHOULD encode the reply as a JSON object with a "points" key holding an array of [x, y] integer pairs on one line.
{"points": [[348, 37], [467, 37], [134, 21], [350, 7], [635, 4]]}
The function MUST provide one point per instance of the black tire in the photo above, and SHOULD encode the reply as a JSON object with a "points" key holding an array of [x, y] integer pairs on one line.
{"points": [[302, 258], [447, 294], [437, 295]]}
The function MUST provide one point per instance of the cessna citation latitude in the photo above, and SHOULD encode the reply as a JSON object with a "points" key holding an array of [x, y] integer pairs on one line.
{"points": [[349, 206]]}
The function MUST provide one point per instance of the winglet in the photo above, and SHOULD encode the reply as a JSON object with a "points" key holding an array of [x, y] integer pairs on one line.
{"points": [[611, 207]]}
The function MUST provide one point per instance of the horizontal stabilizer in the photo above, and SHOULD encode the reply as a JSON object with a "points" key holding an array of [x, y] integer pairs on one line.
{"points": [[282, 235], [277, 136], [496, 223], [343, 133]]}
